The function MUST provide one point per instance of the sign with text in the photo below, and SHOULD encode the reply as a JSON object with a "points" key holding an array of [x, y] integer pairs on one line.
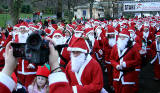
{"points": [[146, 6]]}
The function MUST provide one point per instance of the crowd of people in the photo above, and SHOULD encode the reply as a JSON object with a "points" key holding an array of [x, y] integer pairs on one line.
{"points": [[100, 56]]}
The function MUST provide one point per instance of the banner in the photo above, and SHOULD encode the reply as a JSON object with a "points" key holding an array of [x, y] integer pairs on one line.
{"points": [[146, 6]]}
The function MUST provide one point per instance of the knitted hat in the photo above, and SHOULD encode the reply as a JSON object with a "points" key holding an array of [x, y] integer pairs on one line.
{"points": [[43, 71]]}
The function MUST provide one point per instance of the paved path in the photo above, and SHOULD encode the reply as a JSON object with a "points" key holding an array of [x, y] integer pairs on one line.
{"points": [[147, 84]]}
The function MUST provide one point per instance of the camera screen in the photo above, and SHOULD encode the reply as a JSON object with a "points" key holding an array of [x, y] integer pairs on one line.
{"points": [[18, 49]]}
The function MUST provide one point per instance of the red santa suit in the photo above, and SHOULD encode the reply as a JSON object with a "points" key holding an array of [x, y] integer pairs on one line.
{"points": [[7, 84], [156, 57], [93, 44], [107, 51], [88, 79], [124, 81], [146, 44], [25, 75]]}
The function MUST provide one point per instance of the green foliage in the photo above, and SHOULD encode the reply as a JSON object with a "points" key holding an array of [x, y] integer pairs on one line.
{"points": [[26, 9]]}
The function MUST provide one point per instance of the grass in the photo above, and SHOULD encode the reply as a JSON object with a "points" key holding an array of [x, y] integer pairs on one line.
{"points": [[6, 17]]}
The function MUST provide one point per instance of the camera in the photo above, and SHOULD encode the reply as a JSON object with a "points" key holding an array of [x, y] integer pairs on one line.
{"points": [[35, 50]]}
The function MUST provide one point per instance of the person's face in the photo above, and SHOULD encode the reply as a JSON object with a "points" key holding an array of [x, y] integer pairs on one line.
{"points": [[146, 30], [23, 30], [158, 38], [76, 53], [3, 31], [57, 36], [122, 37], [111, 36], [41, 81], [67, 33]]}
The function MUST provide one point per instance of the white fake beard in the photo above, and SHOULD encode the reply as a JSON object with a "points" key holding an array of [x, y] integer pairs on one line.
{"points": [[121, 44], [66, 38], [92, 39], [87, 26], [58, 41], [112, 42], [77, 62], [99, 32], [22, 37], [145, 35], [78, 35]]}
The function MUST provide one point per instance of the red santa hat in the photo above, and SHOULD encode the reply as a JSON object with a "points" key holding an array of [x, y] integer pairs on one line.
{"points": [[79, 29], [16, 26], [132, 29], [30, 23], [43, 71], [24, 25], [57, 32], [125, 33], [55, 26], [74, 23], [48, 32], [110, 30], [89, 30], [78, 44], [158, 34]]}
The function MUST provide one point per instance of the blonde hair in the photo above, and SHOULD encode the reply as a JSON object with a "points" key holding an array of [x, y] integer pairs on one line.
{"points": [[35, 83]]}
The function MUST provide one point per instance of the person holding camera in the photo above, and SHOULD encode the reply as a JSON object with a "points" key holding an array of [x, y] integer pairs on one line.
{"points": [[124, 58], [83, 77]]}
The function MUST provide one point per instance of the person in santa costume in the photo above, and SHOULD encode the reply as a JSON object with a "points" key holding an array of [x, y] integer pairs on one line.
{"points": [[83, 72], [124, 58], [147, 39], [155, 56], [93, 44], [25, 71], [110, 41], [40, 83]]}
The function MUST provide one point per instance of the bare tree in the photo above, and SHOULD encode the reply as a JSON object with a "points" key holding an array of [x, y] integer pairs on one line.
{"points": [[91, 6], [14, 9]]}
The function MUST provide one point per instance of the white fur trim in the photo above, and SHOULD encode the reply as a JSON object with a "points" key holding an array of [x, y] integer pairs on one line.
{"points": [[124, 64], [7, 81], [79, 31], [23, 27], [103, 91], [76, 49], [110, 33], [157, 35], [74, 88], [57, 34], [124, 35], [89, 32], [57, 77]]}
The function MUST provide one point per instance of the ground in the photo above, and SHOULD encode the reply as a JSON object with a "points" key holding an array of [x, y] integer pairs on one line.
{"points": [[147, 84]]}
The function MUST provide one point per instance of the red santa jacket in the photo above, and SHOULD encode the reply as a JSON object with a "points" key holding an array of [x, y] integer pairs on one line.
{"points": [[132, 60], [22, 67], [6, 83], [155, 54], [88, 79]]}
